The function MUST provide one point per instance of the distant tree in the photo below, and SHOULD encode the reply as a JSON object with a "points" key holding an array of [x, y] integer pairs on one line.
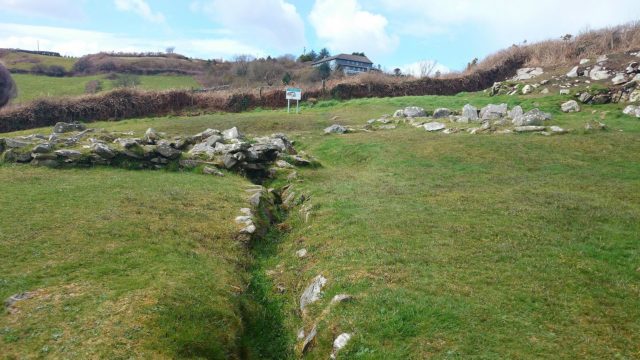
{"points": [[305, 58], [286, 79], [358, 54], [126, 81], [324, 53], [313, 55], [242, 64], [83, 66], [397, 72], [266, 71], [324, 70], [426, 67], [8, 88], [566, 37], [171, 49], [437, 74]]}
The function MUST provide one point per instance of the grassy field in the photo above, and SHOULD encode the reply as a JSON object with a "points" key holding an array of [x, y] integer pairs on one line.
{"points": [[24, 61], [454, 246], [31, 87]]}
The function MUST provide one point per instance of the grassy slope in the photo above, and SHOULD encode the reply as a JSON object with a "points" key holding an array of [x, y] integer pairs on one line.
{"points": [[24, 61], [123, 263], [516, 246], [31, 87]]}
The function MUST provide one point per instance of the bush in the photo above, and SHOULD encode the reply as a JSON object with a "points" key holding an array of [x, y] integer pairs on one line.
{"points": [[53, 70], [93, 87], [8, 88], [126, 81]]}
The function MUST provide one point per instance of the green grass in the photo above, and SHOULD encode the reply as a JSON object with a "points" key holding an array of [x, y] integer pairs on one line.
{"points": [[455, 246], [24, 61], [123, 263], [31, 87]]}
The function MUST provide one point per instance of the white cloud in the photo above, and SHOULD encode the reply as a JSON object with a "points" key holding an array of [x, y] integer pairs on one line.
{"points": [[76, 42], [346, 27], [141, 8], [274, 23], [63, 9], [418, 68], [504, 22]]}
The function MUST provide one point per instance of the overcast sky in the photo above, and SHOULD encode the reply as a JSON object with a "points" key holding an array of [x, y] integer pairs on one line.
{"points": [[393, 33]]}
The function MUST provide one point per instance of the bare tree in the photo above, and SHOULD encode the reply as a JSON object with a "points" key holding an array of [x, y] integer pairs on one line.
{"points": [[171, 49], [426, 67], [241, 65], [8, 88]]}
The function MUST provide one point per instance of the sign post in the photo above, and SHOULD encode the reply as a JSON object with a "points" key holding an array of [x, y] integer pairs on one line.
{"points": [[293, 94]]}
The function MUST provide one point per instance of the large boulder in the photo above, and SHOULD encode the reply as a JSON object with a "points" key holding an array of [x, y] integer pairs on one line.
{"points": [[103, 150], [231, 134], [165, 150], [599, 73], [527, 89], [470, 112], [414, 111], [515, 112], [336, 129], [533, 117], [620, 78], [493, 112], [434, 126], [63, 127], [575, 72], [634, 96], [313, 292], [632, 110], [151, 136], [441, 113], [570, 106]]}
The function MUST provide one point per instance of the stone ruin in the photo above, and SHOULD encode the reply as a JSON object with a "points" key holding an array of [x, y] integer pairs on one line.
{"points": [[211, 151]]}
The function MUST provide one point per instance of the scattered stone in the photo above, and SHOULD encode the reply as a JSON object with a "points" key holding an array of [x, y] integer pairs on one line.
{"points": [[434, 126], [584, 61], [528, 73], [43, 148], [570, 106], [13, 299], [386, 127], [398, 114], [309, 339], [532, 117], [165, 150], [69, 155], [595, 125], [632, 110], [210, 170], [493, 112], [544, 91], [634, 96], [231, 134], [336, 129], [313, 292], [150, 136], [302, 253], [600, 99], [602, 58], [16, 144], [414, 111], [585, 97], [103, 150], [341, 298], [522, 129], [248, 230], [515, 112], [340, 342], [599, 73], [62, 127], [470, 112], [575, 72], [619, 79], [441, 113], [565, 92], [527, 89], [557, 130]]}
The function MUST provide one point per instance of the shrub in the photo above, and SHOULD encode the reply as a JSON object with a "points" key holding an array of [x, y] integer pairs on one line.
{"points": [[7, 86], [93, 87], [126, 81]]}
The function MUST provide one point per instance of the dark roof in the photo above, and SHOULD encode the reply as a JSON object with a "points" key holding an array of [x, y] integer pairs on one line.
{"points": [[362, 59]]}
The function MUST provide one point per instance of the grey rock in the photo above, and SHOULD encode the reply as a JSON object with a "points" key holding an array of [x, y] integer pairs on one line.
{"points": [[585, 97], [313, 292], [306, 344], [103, 151], [13, 299], [522, 129], [340, 342], [302, 253], [527, 89], [43, 148], [632, 110], [283, 164], [398, 114], [386, 127], [13, 155], [515, 112], [634, 96], [300, 161], [213, 140], [528, 73], [63, 127], [600, 99], [231, 134], [599, 73], [584, 61], [441, 113], [202, 149], [165, 150], [69, 155], [493, 112], [205, 134], [414, 111], [544, 91], [210, 170], [127, 143], [151, 136], [575, 72], [570, 106], [341, 298], [434, 126], [229, 161], [619, 79], [557, 130], [565, 91], [470, 112], [336, 129], [16, 144], [255, 199]]}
